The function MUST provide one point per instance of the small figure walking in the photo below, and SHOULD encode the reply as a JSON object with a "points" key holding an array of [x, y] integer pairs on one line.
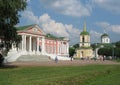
{"points": [[56, 59]]}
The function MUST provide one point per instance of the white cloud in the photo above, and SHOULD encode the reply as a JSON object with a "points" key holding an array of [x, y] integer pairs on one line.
{"points": [[68, 7], [77, 8], [111, 5], [103, 24], [30, 17], [115, 28], [51, 26], [108, 27]]}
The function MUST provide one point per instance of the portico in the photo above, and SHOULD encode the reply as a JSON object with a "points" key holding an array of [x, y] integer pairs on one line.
{"points": [[31, 36], [30, 44]]}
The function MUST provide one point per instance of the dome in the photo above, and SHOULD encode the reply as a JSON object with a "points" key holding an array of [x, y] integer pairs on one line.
{"points": [[105, 35]]}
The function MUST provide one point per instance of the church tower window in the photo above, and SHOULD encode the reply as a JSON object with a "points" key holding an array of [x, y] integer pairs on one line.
{"points": [[83, 39]]}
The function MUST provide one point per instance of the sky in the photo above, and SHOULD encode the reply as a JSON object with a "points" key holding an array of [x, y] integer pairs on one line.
{"points": [[65, 18]]}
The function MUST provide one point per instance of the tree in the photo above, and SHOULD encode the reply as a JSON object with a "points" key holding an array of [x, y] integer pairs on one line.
{"points": [[71, 51], [105, 51], [117, 49], [76, 46], [117, 44], [9, 17]]}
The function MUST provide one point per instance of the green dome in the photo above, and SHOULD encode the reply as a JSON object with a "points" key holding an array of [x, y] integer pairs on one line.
{"points": [[105, 35], [84, 33]]}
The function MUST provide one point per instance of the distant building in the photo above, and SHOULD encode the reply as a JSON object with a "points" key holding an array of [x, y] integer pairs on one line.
{"points": [[85, 50], [105, 38]]}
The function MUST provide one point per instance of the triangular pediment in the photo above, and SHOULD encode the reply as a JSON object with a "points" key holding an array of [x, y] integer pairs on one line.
{"points": [[31, 29]]}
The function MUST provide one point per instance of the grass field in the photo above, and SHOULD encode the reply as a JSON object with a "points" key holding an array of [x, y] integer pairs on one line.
{"points": [[61, 75]]}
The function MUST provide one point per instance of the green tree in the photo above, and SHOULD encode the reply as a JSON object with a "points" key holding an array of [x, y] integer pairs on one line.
{"points": [[105, 51], [117, 49], [76, 46], [9, 17], [71, 51], [117, 44]]}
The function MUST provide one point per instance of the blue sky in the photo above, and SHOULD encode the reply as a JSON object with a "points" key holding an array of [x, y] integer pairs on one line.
{"points": [[66, 18]]}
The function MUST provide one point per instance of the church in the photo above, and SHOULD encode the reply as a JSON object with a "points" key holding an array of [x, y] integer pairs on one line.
{"points": [[84, 50], [36, 42], [105, 38]]}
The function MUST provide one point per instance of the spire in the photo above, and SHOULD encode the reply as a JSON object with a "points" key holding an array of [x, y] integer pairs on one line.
{"points": [[84, 27]]}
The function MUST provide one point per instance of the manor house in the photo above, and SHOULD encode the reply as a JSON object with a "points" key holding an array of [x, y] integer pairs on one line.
{"points": [[36, 42]]}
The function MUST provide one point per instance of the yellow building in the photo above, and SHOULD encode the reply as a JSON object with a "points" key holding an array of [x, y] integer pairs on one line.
{"points": [[84, 50]]}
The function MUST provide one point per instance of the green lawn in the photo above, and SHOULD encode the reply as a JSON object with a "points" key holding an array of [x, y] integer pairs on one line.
{"points": [[61, 75]]}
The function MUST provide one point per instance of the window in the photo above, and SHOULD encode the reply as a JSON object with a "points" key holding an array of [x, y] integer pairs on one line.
{"points": [[83, 39]]}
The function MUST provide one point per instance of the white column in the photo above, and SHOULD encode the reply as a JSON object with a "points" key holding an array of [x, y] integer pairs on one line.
{"points": [[30, 44], [57, 47], [68, 48], [60, 48], [37, 44], [43, 45], [25, 42], [22, 42]]}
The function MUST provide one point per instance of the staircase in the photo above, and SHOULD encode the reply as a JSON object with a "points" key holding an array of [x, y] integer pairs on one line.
{"points": [[38, 58]]}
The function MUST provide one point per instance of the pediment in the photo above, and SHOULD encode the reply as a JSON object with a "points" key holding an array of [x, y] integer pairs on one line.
{"points": [[34, 29]]}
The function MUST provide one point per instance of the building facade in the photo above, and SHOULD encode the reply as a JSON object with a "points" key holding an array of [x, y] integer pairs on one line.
{"points": [[84, 50], [36, 42]]}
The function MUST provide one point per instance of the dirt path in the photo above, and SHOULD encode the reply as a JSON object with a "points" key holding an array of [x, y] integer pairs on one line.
{"points": [[64, 63]]}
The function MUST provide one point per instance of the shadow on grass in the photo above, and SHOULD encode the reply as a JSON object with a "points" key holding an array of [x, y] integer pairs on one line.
{"points": [[7, 66]]}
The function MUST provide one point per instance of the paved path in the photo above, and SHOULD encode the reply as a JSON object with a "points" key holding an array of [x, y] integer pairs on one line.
{"points": [[65, 63]]}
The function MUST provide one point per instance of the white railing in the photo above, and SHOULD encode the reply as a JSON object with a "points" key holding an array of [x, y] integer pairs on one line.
{"points": [[14, 56]]}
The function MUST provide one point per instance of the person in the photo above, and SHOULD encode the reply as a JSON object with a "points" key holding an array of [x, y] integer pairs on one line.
{"points": [[71, 58], [56, 59]]}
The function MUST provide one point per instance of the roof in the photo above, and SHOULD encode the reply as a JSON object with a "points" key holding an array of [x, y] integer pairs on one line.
{"points": [[24, 27], [105, 35], [53, 37], [84, 33]]}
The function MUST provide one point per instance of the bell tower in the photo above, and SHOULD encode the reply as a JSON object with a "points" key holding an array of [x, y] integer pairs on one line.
{"points": [[84, 50], [84, 37]]}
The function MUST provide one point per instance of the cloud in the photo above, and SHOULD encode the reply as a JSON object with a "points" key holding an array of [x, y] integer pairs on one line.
{"points": [[111, 5], [77, 8], [30, 17], [51, 26], [115, 28], [95, 36], [108, 27], [103, 24], [68, 7]]}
